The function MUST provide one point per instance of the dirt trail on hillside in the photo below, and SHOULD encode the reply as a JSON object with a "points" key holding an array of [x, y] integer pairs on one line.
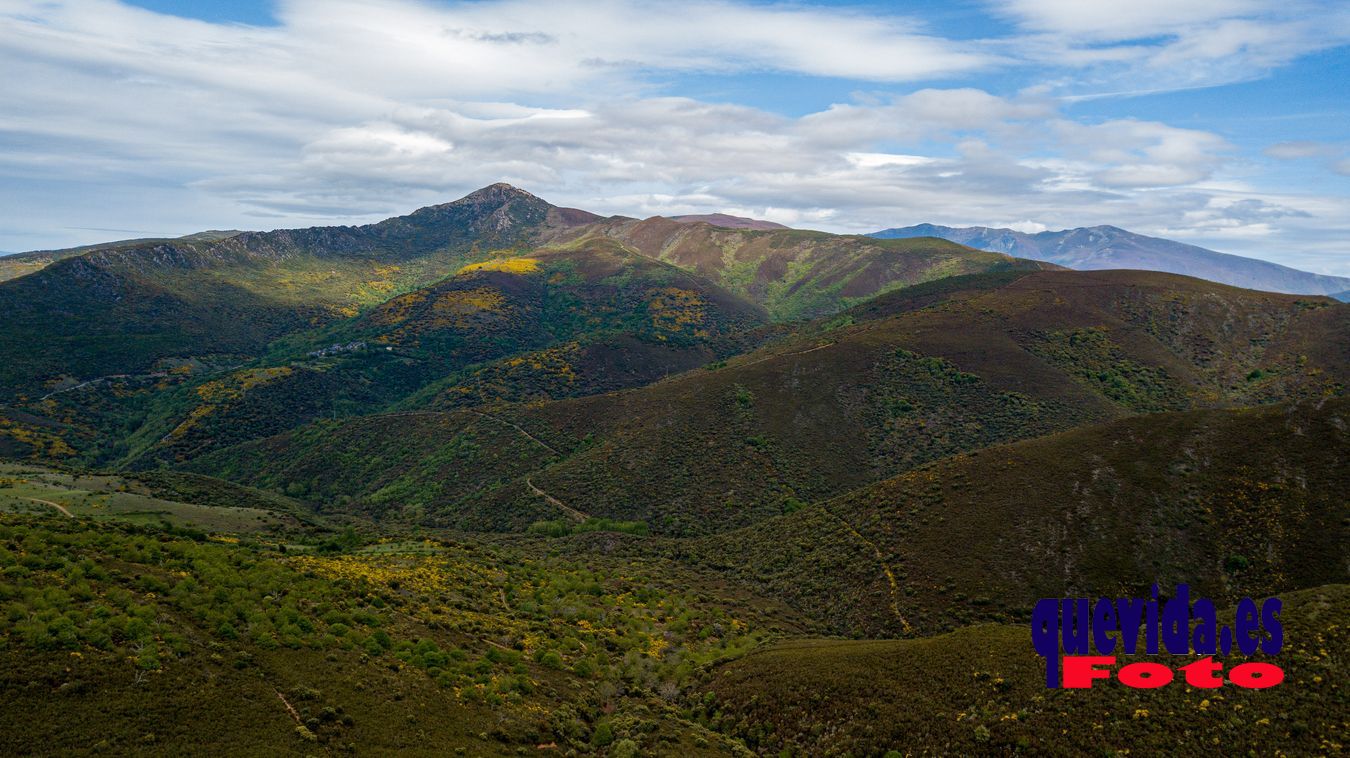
{"points": [[785, 355], [488, 416], [533, 438], [576, 515], [885, 567], [57, 506]]}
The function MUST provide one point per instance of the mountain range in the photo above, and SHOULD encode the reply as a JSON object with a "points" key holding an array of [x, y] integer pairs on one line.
{"points": [[1109, 247], [500, 476]]}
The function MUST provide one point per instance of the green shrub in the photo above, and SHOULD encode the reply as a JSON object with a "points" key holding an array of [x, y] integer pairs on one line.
{"points": [[603, 734]]}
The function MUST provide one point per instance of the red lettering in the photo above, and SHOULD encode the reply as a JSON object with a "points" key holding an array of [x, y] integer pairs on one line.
{"points": [[1079, 670], [1256, 676], [1202, 673], [1145, 675]]}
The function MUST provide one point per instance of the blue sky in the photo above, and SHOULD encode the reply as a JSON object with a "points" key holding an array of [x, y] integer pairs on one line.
{"points": [[1216, 122]]}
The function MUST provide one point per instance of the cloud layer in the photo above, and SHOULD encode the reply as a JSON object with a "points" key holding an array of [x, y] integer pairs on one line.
{"points": [[122, 118]]}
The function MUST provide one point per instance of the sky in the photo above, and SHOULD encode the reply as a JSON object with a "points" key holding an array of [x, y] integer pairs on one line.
{"points": [[1222, 123]]}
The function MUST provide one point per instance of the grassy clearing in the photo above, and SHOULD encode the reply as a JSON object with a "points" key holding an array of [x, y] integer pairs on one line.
{"points": [[33, 489]]}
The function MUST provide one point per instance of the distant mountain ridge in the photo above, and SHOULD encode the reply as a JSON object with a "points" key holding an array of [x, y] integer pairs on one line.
{"points": [[727, 220], [14, 265], [1107, 247]]}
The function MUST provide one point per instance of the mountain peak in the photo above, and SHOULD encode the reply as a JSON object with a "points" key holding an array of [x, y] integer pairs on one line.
{"points": [[499, 192], [499, 201]]}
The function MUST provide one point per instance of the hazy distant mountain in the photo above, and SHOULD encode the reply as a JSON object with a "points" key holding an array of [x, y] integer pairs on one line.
{"points": [[728, 221], [13, 265], [1106, 247]]}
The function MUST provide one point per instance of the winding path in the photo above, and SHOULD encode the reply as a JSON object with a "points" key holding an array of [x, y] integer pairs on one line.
{"points": [[886, 567], [576, 515], [785, 355], [531, 437], [57, 506]]}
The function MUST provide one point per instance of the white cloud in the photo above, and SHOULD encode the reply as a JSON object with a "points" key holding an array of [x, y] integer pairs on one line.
{"points": [[1126, 19], [1027, 227], [537, 46], [1134, 153], [1331, 156], [877, 160], [1139, 46], [346, 112]]}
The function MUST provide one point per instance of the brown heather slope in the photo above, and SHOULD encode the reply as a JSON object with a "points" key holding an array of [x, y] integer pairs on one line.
{"points": [[796, 273], [1235, 502], [726, 220], [909, 378], [818, 415]]}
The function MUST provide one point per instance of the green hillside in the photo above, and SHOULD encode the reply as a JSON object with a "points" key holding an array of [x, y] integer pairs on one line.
{"points": [[169, 499], [900, 381], [503, 478], [16, 265], [796, 273], [508, 328], [1236, 503], [110, 347], [125, 639], [123, 309]]}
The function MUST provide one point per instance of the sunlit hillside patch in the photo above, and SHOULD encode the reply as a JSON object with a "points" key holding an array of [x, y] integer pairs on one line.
{"points": [[398, 309], [383, 280], [524, 376], [454, 309], [507, 265], [459, 303], [678, 310], [235, 385], [221, 392], [429, 310], [33, 441]]}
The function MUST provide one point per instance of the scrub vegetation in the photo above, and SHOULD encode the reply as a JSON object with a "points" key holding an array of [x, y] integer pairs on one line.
{"points": [[503, 478]]}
